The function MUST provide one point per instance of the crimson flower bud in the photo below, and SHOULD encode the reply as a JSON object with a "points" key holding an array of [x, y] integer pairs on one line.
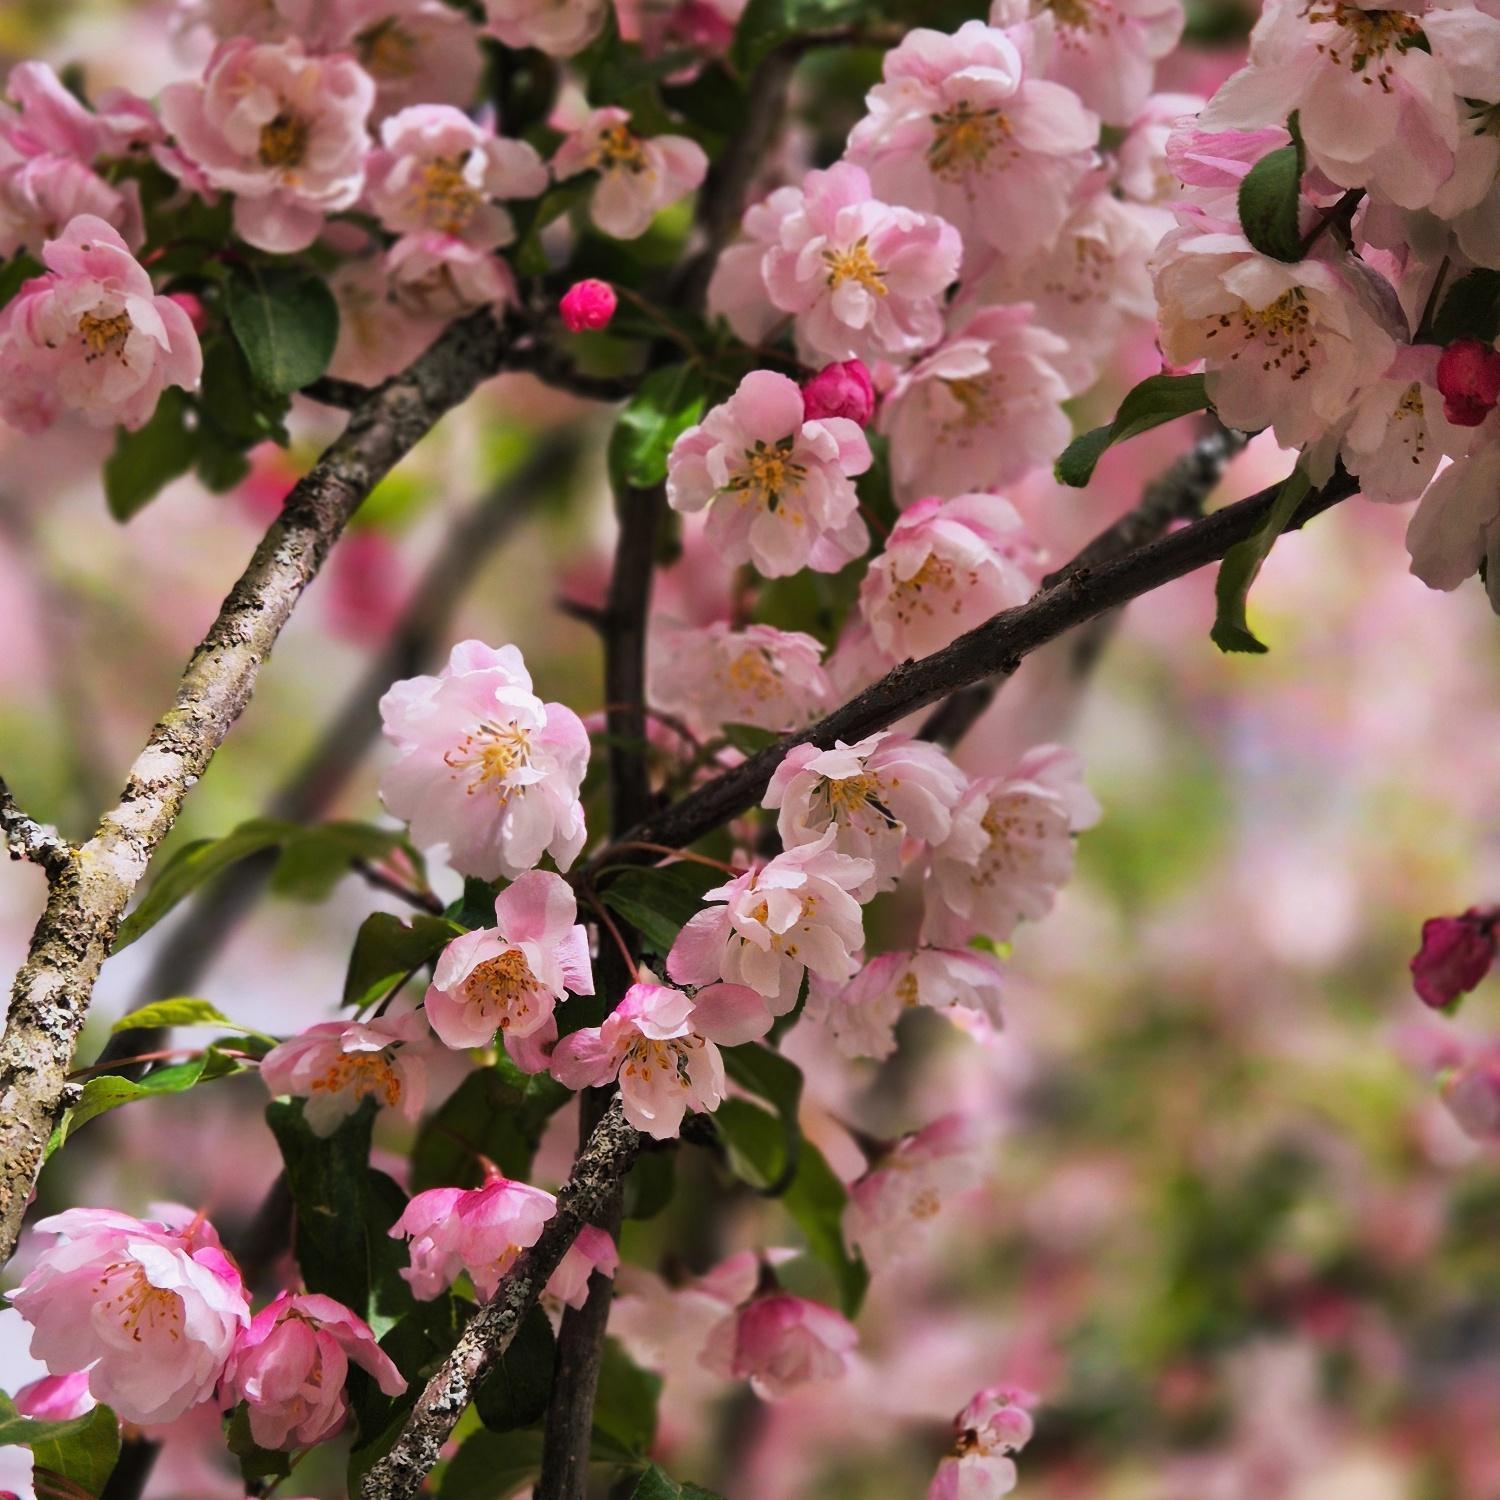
{"points": [[588, 304], [1468, 375], [1456, 953], [840, 390]]}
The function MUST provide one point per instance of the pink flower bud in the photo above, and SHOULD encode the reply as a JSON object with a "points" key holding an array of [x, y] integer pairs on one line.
{"points": [[588, 304], [1468, 375], [841, 390], [1456, 953], [193, 307]]}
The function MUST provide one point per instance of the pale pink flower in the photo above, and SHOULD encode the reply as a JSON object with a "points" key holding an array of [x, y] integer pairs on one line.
{"points": [[791, 915], [1376, 108], [260, 20], [891, 1208], [885, 798], [665, 1325], [559, 28], [283, 131], [92, 337], [484, 766], [962, 128], [593, 1250], [663, 1046], [1471, 1092], [963, 984], [290, 1364], [416, 51], [378, 333], [1142, 170], [511, 976], [779, 488], [588, 304], [1457, 524], [862, 278], [438, 276], [56, 1398], [336, 1065], [979, 411], [714, 675], [41, 195], [779, 1342], [1011, 849], [1206, 168], [151, 1309], [843, 389], [948, 565], [638, 175], [979, 1466], [737, 289], [45, 119]]}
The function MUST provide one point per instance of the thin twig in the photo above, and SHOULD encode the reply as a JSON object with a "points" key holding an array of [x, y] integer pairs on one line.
{"points": [[26, 838], [383, 880]]}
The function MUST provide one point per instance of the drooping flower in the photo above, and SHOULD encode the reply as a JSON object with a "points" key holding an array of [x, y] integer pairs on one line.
{"points": [[1457, 525], [791, 915], [842, 389], [336, 1065], [560, 28], [663, 1047], [778, 487], [638, 175], [1468, 375], [979, 1466], [779, 1342], [885, 798], [151, 1309], [484, 766], [588, 304], [56, 1398], [289, 1367], [593, 1250], [1456, 953], [92, 337], [510, 977], [281, 130]]}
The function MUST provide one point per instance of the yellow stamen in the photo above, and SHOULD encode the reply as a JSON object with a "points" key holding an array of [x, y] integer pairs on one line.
{"points": [[855, 264], [283, 141]]}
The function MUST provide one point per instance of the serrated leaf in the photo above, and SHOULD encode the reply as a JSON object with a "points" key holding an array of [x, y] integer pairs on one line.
{"points": [[82, 1451], [387, 949], [1471, 309], [518, 1386], [286, 321], [183, 1010], [1157, 399], [145, 461], [666, 404], [1231, 631], [1270, 200]]}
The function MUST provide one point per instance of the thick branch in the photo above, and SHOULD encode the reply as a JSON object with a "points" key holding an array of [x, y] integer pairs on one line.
{"points": [[995, 648], [51, 994], [597, 1173], [25, 838]]}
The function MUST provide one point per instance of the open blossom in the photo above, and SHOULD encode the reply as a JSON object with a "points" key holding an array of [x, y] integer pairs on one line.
{"points": [[778, 487], [484, 766], [510, 976], [981, 409], [947, 566], [290, 1364], [791, 915], [663, 1046], [665, 1325], [1457, 525], [92, 337], [557, 27], [1142, 171], [378, 334], [283, 131], [1011, 848], [979, 1466], [439, 276], [336, 1065], [892, 1207], [737, 289], [842, 389], [714, 675], [862, 278], [151, 1309], [1456, 953], [638, 175], [779, 1342], [416, 51], [884, 798], [962, 128]]}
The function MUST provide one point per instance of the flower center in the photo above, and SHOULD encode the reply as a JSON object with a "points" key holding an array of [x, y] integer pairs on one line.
{"points": [[963, 138], [386, 50], [103, 336], [914, 595], [133, 1301], [620, 147], [856, 264], [1366, 35], [908, 990], [1078, 15], [768, 473], [1282, 329], [663, 1062], [504, 985], [445, 197], [495, 751], [368, 1074], [751, 673], [283, 141], [976, 400]]}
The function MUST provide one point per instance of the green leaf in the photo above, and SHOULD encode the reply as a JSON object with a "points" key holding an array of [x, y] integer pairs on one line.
{"points": [[749, 738], [145, 461], [658, 902], [314, 860], [816, 1199], [492, 1465], [656, 1484], [764, 24], [1231, 630], [625, 1407], [517, 1389], [256, 1463], [386, 950], [182, 1011], [286, 321], [1270, 200], [1470, 310], [760, 1150], [81, 1452], [15, 273], [668, 402], [1157, 399], [649, 1184]]}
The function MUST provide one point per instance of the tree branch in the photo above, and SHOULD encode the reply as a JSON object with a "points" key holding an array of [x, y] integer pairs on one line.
{"points": [[51, 994], [597, 1173], [25, 838]]}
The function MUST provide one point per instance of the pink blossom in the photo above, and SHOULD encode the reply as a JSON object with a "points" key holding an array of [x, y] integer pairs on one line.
{"points": [[559, 28], [980, 410], [947, 566], [1011, 848], [779, 1342], [885, 799], [663, 1046], [778, 486], [592, 1251], [843, 389], [962, 128], [791, 915], [1457, 524], [290, 1365], [862, 278], [588, 304], [1471, 1093], [282, 131], [1456, 953], [151, 1309], [737, 289], [665, 1325], [484, 766], [715, 675], [92, 337], [45, 119], [56, 1398], [1142, 170], [40, 195], [437, 276], [979, 1466], [1468, 376], [638, 175], [336, 1065], [378, 333], [511, 976], [416, 51]]}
